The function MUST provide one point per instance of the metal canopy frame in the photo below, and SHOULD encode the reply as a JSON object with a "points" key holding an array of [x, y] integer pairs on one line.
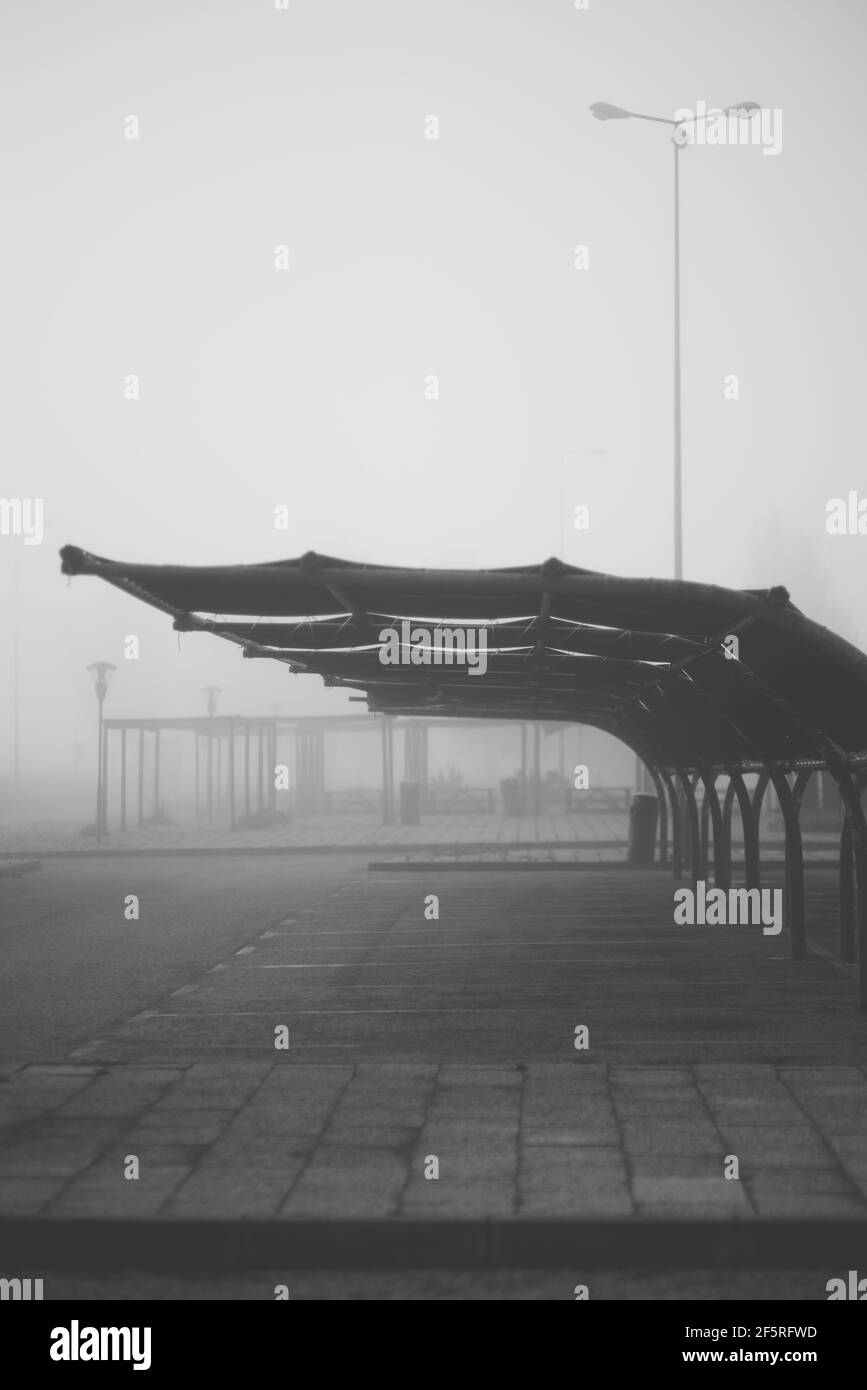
{"points": [[641, 659]]}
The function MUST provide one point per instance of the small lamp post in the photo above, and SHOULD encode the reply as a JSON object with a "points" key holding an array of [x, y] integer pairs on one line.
{"points": [[101, 673], [210, 693]]}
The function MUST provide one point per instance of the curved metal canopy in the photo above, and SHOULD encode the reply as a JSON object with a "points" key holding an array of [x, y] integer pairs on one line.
{"points": [[644, 659]]}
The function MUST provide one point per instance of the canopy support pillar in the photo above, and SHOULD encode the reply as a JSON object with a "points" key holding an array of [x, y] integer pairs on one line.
{"points": [[663, 814], [721, 849], [537, 769], [156, 785], [141, 765], [737, 788], [123, 778], [757, 800], [387, 772], [692, 836], [676, 839], [231, 776], [853, 876], [794, 862]]}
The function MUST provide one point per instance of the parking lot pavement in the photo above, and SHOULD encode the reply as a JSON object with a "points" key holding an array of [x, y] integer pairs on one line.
{"points": [[404, 1047]]}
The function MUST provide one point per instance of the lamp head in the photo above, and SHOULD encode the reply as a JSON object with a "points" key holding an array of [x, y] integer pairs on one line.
{"points": [[604, 111], [210, 693], [101, 673]]}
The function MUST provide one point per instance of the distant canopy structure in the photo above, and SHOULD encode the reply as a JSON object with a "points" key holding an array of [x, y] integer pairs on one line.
{"points": [[650, 661]]}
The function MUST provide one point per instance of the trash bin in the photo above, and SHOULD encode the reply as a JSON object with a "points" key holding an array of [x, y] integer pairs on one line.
{"points": [[410, 803], [643, 814], [510, 791]]}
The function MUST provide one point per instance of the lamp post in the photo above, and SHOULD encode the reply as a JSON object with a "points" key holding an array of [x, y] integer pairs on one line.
{"points": [[210, 693], [101, 673], [603, 111]]}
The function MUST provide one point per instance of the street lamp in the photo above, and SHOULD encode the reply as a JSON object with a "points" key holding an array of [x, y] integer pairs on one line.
{"points": [[101, 673], [210, 693], [604, 111]]}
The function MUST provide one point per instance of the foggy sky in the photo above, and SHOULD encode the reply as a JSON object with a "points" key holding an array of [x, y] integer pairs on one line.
{"points": [[410, 257]]}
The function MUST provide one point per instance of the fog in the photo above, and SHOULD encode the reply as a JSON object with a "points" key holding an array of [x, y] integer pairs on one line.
{"points": [[410, 257]]}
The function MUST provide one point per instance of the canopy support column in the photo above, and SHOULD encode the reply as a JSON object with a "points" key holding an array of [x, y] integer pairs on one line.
{"points": [[231, 746], [272, 764], [141, 764], [794, 862], [721, 847], [692, 836], [123, 778], [705, 829], [387, 771], [847, 892], [853, 876], [537, 769], [415, 754], [737, 788], [156, 809], [676, 839], [663, 814], [757, 800]]}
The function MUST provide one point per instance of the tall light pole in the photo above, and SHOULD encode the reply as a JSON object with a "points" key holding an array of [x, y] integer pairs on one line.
{"points": [[101, 673], [603, 111], [16, 681]]}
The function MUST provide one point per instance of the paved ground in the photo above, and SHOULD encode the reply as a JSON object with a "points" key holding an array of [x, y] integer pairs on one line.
{"points": [[446, 1285], [511, 966], [413, 1038], [564, 1139], [598, 836], [17, 867], [71, 964], [351, 831]]}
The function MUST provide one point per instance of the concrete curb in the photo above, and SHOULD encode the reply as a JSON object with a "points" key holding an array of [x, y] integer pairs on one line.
{"points": [[347, 851], [171, 1245], [15, 866], [374, 847], [487, 865], [605, 865]]}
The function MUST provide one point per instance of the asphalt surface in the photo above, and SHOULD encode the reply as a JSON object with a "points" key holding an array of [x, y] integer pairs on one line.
{"points": [[71, 964], [498, 976]]}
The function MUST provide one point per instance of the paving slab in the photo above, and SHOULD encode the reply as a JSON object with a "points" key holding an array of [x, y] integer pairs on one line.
{"points": [[455, 1039]]}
